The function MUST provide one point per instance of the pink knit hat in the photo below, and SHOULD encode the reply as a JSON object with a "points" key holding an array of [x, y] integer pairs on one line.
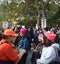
{"points": [[51, 36], [23, 31]]}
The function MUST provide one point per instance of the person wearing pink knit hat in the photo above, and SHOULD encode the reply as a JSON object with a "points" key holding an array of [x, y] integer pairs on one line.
{"points": [[23, 44], [23, 31]]}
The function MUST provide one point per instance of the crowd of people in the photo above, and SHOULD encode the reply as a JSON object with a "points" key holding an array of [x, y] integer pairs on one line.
{"points": [[17, 42]]}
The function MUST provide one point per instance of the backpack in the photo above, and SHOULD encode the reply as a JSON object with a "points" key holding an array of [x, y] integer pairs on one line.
{"points": [[57, 60]]}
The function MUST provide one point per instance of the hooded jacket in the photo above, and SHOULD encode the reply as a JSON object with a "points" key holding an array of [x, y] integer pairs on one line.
{"points": [[48, 54]]}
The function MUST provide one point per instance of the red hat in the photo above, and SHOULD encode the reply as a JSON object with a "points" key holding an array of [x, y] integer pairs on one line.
{"points": [[10, 32], [23, 31], [51, 36]]}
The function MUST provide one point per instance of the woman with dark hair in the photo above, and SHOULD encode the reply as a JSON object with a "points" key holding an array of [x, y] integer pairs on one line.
{"points": [[49, 54]]}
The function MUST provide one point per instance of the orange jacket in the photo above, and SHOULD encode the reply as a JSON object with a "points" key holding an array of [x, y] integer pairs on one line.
{"points": [[7, 52]]}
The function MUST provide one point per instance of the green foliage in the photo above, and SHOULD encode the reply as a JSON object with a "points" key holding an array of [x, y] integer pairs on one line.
{"points": [[51, 10], [53, 14], [2, 12], [29, 10], [12, 11]]}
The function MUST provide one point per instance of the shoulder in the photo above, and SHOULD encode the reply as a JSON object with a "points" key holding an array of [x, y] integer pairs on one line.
{"points": [[49, 49], [48, 52], [6, 46], [56, 45]]}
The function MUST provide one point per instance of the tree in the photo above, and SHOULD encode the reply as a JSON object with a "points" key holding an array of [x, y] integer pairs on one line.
{"points": [[30, 10], [53, 11]]}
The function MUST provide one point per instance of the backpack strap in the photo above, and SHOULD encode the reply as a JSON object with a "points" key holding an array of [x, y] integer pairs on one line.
{"points": [[56, 51]]}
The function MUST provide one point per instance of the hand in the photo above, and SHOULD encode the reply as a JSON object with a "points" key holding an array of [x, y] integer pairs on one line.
{"points": [[35, 50]]}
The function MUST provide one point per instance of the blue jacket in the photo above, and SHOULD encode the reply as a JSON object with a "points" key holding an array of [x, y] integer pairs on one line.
{"points": [[24, 44]]}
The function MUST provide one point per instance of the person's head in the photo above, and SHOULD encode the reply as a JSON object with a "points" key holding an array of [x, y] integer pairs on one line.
{"points": [[16, 29], [23, 32], [9, 34], [49, 38]]}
